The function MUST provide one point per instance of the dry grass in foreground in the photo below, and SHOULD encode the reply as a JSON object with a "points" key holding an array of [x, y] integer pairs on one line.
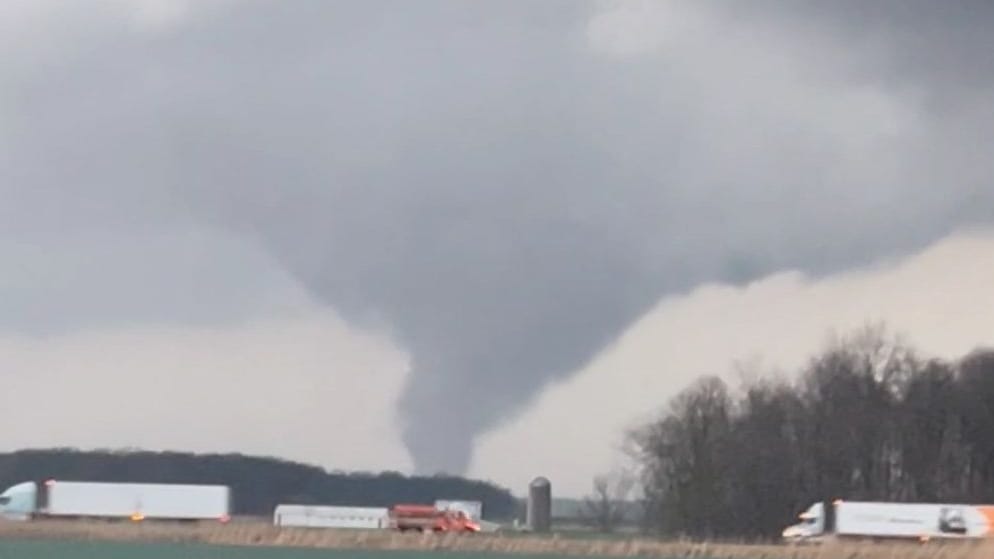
{"points": [[260, 534]]}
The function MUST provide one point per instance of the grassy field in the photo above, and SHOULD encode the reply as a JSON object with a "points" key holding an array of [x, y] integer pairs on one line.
{"points": [[31, 549], [82, 540]]}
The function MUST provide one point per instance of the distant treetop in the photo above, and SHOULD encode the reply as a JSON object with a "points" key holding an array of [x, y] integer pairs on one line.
{"points": [[258, 484]]}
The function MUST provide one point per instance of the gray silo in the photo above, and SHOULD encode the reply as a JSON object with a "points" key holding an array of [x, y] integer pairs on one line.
{"points": [[539, 512]]}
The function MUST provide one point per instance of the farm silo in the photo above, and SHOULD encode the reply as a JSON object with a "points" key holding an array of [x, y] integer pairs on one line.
{"points": [[539, 512]]}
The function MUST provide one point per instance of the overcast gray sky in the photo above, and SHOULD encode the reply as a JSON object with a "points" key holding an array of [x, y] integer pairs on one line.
{"points": [[498, 188]]}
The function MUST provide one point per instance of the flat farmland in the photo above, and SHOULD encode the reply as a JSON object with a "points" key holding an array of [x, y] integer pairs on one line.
{"points": [[250, 540], [132, 550]]}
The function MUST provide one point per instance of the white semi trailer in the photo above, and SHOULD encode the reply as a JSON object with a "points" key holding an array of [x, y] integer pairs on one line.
{"points": [[882, 520], [314, 516], [134, 501]]}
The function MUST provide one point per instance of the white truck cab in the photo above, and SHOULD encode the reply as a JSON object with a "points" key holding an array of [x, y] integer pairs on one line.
{"points": [[19, 502], [812, 524]]}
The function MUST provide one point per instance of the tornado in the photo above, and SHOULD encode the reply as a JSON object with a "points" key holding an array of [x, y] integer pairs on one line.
{"points": [[503, 188]]}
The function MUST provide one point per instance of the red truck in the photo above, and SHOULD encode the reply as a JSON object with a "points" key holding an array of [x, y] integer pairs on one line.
{"points": [[427, 518]]}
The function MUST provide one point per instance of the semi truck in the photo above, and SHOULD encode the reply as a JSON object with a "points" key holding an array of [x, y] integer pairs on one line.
{"points": [[444, 516], [429, 518], [129, 501], [888, 520]]}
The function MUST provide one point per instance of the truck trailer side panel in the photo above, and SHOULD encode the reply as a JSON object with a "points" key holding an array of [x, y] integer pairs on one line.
{"points": [[331, 517], [913, 520], [137, 500]]}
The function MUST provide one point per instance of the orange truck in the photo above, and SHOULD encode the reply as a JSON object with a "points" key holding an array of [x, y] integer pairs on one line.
{"points": [[427, 518]]}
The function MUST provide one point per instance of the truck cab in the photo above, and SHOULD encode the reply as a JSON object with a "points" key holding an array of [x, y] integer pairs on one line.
{"points": [[19, 502], [426, 518], [810, 527]]}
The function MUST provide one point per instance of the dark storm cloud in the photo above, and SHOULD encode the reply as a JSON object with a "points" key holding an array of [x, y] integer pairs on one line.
{"points": [[480, 180]]}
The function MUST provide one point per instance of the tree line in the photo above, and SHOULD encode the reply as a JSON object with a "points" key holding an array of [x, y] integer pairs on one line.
{"points": [[257, 484], [868, 418]]}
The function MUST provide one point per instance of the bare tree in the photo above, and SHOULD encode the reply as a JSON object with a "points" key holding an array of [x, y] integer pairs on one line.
{"points": [[977, 420], [685, 460], [605, 509], [866, 418]]}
